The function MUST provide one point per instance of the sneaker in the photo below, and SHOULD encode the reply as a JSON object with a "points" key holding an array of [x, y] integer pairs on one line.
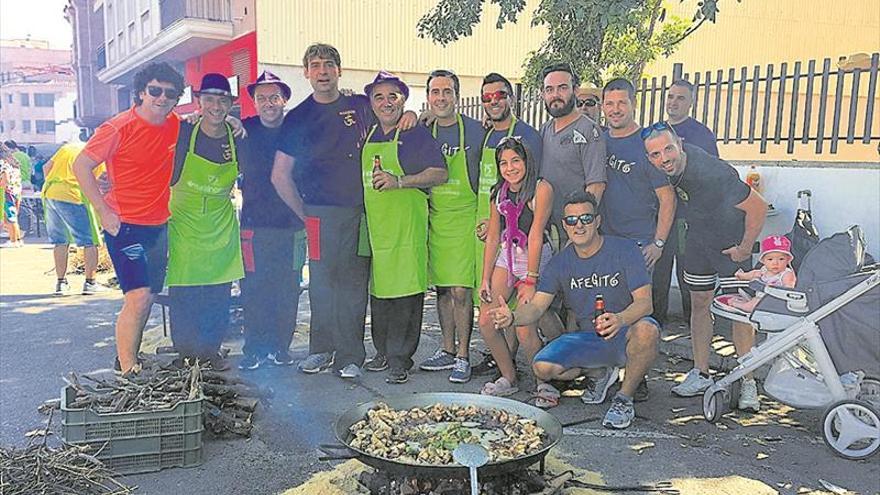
{"points": [[694, 384], [350, 371], [378, 363], [280, 358], [316, 363], [596, 394], [91, 288], [441, 360], [250, 362], [748, 395], [10, 244], [641, 394], [397, 376], [620, 414], [461, 371], [62, 287], [486, 366]]}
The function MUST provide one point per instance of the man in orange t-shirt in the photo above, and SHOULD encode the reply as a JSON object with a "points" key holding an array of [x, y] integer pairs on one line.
{"points": [[138, 148]]}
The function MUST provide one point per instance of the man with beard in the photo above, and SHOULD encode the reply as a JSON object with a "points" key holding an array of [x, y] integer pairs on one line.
{"points": [[574, 152], [397, 169], [451, 225], [272, 236]]}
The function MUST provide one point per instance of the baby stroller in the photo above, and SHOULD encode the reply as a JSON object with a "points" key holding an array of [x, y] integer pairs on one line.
{"points": [[824, 341]]}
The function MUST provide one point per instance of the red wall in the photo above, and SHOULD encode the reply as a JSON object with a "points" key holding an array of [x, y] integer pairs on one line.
{"points": [[220, 60]]}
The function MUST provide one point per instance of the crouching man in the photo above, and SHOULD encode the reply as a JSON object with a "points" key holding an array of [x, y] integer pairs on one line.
{"points": [[622, 336]]}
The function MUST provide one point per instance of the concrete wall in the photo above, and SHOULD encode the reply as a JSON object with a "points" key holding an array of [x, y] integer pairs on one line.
{"points": [[843, 194]]}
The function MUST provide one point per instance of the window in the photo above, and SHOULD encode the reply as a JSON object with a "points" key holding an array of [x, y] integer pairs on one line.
{"points": [[44, 99], [132, 37], [45, 126], [25, 99], [9, 98], [25, 126], [11, 125], [1, 127], [145, 25]]}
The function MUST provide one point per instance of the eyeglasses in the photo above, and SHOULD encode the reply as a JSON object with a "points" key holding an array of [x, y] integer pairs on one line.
{"points": [[572, 220], [590, 102], [496, 96], [657, 127], [170, 93], [275, 99]]}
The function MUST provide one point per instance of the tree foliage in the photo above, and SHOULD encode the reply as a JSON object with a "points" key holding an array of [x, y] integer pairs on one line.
{"points": [[599, 38]]}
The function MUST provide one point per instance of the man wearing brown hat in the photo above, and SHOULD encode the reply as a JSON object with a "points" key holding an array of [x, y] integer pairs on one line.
{"points": [[204, 248], [589, 102], [272, 236]]}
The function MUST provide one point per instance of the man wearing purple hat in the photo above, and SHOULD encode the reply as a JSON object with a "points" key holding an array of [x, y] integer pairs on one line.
{"points": [[272, 236], [317, 174], [397, 168], [204, 248]]}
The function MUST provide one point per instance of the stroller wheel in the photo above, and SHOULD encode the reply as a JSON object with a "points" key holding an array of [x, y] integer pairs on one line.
{"points": [[851, 428], [715, 404]]}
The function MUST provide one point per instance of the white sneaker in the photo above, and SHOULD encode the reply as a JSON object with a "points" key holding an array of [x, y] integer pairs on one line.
{"points": [[748, 395], [694, 384]]}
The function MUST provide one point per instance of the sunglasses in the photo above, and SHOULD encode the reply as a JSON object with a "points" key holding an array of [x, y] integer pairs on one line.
{"points": [[496, 96], [572, 220], [657, 127], [590, 102], [170, 93]]}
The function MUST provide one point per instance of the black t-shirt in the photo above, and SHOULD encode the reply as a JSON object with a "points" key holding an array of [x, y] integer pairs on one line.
{"points": [[711, 189], [216, 150], [325, 141], [261, 205]]}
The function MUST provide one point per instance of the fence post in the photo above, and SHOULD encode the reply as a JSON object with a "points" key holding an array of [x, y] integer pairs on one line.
{"points": [[518, 103], [677, 71]]}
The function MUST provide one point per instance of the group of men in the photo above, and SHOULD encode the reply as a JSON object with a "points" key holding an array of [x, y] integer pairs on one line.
{"points": [[390, 206]]}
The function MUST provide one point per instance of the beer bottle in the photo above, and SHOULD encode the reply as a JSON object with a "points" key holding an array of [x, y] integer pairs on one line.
{"points": [[598, 310], [377, 165]]}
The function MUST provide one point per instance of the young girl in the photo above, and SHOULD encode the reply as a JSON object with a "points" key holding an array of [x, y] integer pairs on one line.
{"points": [[776, 271], [516, 251], [10, 182]]}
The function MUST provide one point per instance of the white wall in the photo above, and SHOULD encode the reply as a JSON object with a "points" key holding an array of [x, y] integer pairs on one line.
{"points": [[843, 195], [65, 127]]}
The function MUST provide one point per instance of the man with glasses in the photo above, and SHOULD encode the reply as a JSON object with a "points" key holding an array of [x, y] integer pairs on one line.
{"points": [[589, 102], [137, 146], [451, 226], [724, 217], [397, 168], [272, 236], [594, 266], [574, 151]]}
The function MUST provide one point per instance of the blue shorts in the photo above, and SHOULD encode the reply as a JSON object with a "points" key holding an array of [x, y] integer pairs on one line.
{"points": [[68, 221], [140, 256], [585, 349]]}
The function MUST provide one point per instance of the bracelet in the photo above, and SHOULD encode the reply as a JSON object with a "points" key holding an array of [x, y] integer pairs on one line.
{"points": [[524, 281], [400, 182], [534, 275]]}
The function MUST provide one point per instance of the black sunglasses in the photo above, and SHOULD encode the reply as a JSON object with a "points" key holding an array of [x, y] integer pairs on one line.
{"points": [[590, 102], [656, 127], [572, 220], [170, 93]]}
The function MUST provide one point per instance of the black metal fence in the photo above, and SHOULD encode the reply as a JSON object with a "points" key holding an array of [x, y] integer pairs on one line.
{"points": [[800, 103]]}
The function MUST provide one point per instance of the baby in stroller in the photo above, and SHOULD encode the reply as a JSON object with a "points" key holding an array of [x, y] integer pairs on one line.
{"points": [[775, 271]]}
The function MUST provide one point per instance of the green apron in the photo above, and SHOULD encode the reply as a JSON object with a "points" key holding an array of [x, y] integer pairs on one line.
{"points": [[397, 221], [204, 244], [450, 223], [488, 177]]}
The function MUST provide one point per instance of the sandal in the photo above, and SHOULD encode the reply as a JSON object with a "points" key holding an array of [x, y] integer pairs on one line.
{"points": [[499, 388], [546, 396]]}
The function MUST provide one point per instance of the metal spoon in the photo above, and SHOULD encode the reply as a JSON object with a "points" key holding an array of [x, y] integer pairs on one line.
{"points": [[472, 456]]}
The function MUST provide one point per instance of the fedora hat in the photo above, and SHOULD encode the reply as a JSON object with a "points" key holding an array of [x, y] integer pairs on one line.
{"points": [[214, 84], [268, 77]]}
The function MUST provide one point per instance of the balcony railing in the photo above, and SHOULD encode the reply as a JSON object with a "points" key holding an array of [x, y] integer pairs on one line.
{"points": [[211, 10]]}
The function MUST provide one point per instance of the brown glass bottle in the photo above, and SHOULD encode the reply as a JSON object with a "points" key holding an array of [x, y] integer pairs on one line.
{"points": [[598, 310]]}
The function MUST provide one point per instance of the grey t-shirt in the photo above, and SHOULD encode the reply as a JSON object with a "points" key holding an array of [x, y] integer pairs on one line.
{"points": [[448, 137], [572, 159]]}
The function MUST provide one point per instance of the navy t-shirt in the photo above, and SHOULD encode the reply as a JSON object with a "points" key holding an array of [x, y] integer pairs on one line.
{"points": [[533, 141], [325, 141], [617, 269], [416, 149], [696, 134], [261, 204], [710, 188], [448, 137], [629, 205]]}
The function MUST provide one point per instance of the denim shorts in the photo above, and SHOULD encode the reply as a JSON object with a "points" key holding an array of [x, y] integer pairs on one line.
{"points": [[68, 221], [140, 256], [586, 349]]}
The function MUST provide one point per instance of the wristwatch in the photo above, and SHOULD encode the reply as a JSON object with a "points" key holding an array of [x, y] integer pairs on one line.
{"points": [[659, 243]]}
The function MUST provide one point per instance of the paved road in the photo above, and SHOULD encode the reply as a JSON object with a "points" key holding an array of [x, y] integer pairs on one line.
{"points": [[43, 337]]}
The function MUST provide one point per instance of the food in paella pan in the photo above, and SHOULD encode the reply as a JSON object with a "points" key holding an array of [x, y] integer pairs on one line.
{"points": [[428, 435]]}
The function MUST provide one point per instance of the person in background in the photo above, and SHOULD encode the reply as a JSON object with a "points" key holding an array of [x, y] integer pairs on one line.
{"points": [[589, 103], [24, 162], [10, 182]]}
